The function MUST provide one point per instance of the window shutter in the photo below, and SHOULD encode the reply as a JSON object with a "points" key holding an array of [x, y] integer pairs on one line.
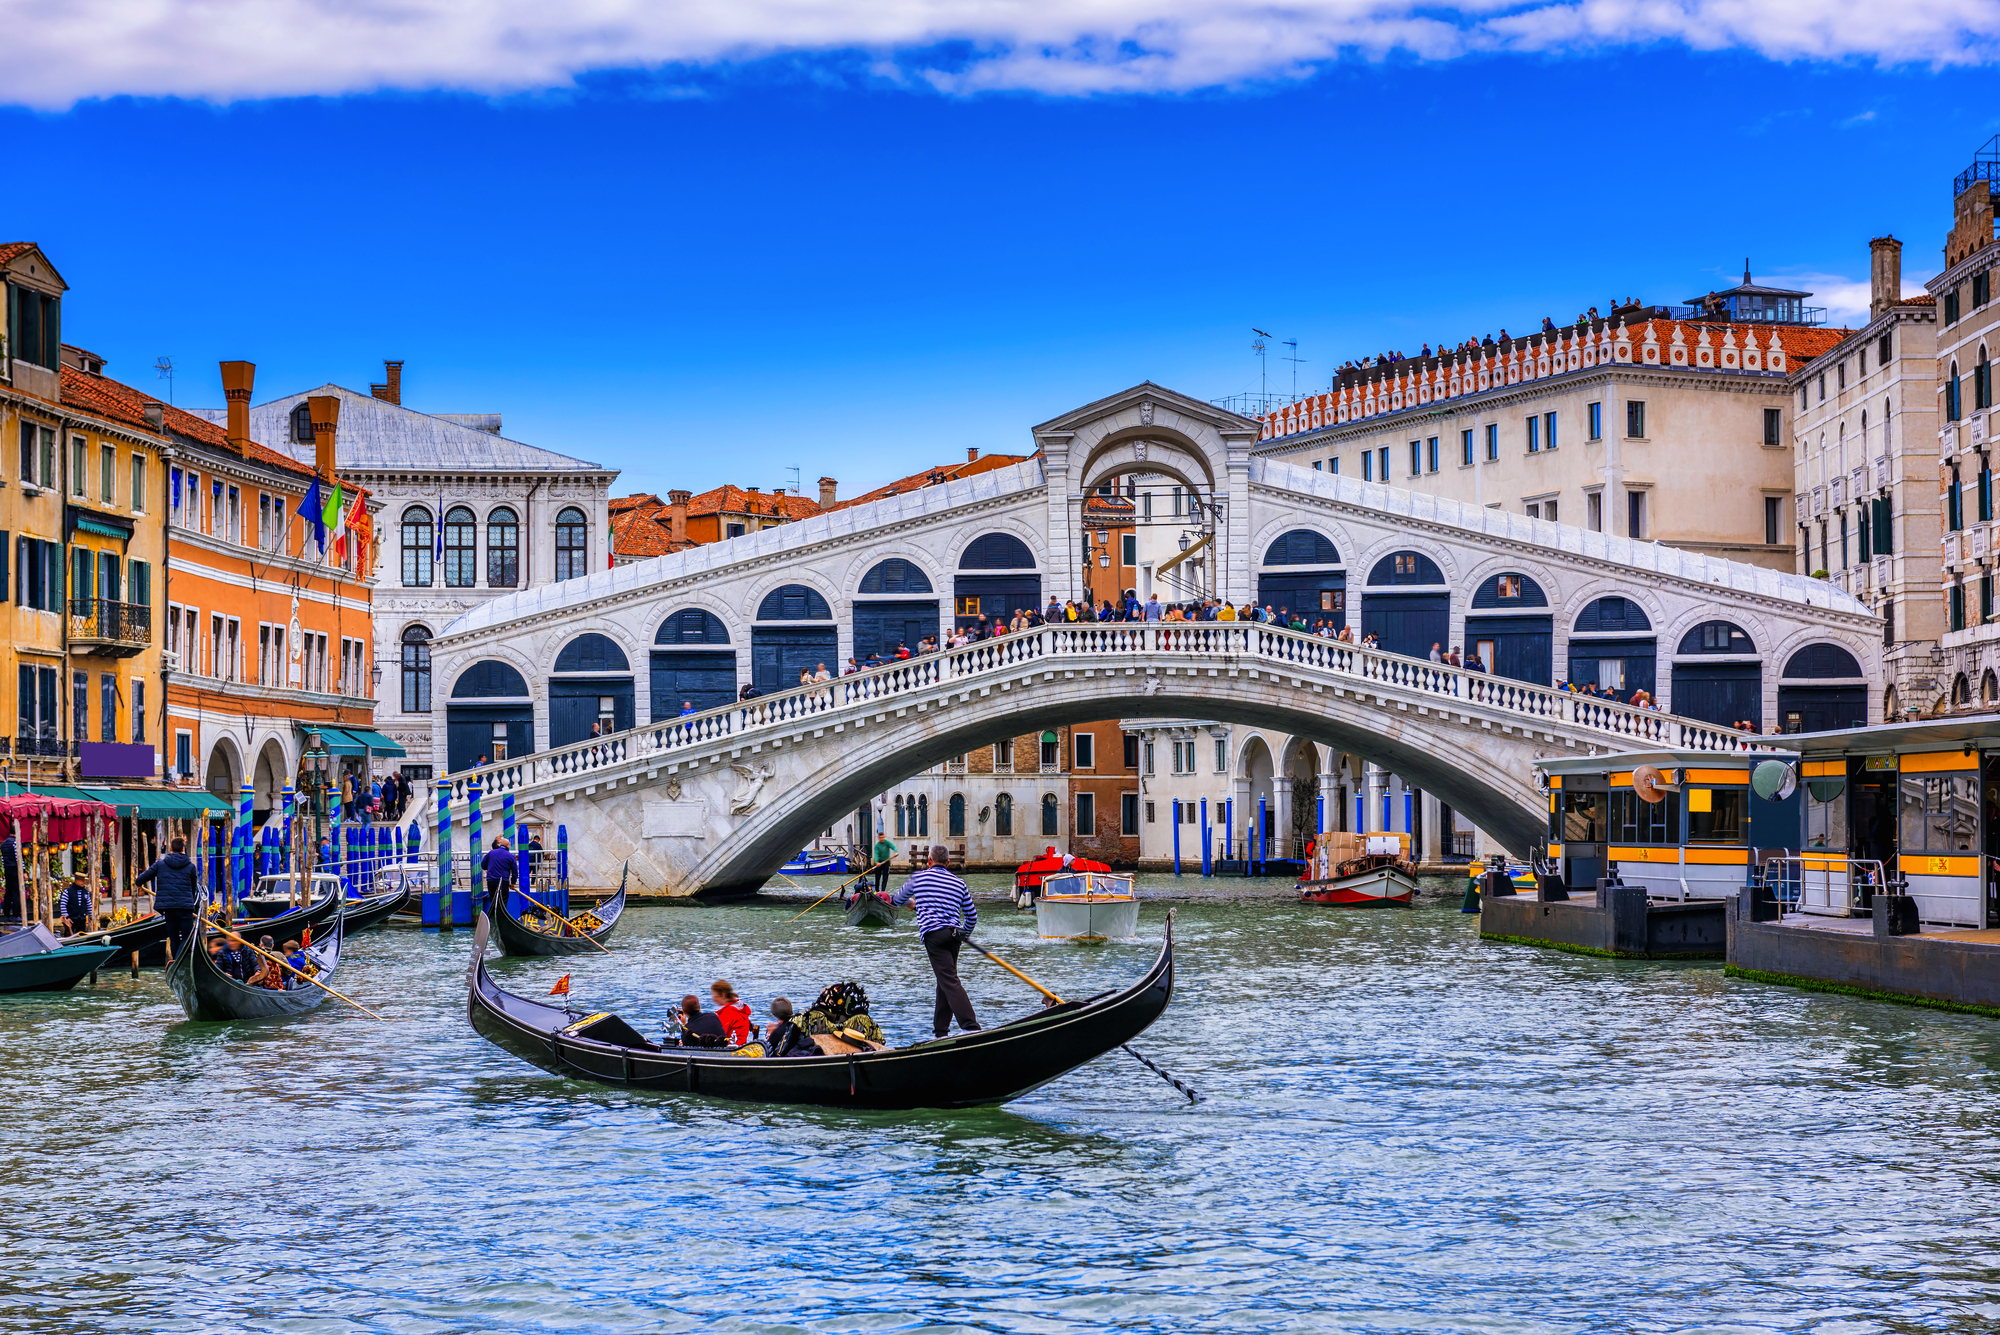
{"points": [[5, 546]]}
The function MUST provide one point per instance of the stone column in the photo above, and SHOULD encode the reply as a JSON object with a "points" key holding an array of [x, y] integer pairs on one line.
{"points": [[1376, 782], [1233, 561], [1064, 516], [1281, 815], [1433, 850]]}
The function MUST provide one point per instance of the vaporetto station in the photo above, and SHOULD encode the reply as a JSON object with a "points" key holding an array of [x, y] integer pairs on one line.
{"points": [[717, 800]]}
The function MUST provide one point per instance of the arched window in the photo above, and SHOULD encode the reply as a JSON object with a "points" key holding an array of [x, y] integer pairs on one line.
{"points": [[417, 668], [503, 549], [1612, 614], [490, 679], [461, 548], [794, 602], [692, 626], [997, 551], [896, 576], [1051, 750], [1003, 816], [417, 549], [900, 830], [1302, 547], [1822, 660], [1989, 688], [1717, 637], [923, 815], [955, 814], [1049, 811], [302, 423], [593, 653], [572, 544], [1982, 380], [1509, 591], [1961, 691], [1406, 568]]}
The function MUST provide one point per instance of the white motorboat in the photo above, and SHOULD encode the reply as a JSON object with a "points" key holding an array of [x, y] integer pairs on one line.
{"points": [[1087, 906]]}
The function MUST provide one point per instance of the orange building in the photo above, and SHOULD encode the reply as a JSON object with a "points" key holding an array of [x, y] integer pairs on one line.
{"points": [[266, 636]]}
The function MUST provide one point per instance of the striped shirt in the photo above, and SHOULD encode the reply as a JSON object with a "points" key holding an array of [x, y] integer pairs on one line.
{"points": [[942, 901]]}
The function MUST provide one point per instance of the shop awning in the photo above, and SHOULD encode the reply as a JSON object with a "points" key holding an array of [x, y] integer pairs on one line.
{"points": [[54, 790], [354, 741], [159, 803]]}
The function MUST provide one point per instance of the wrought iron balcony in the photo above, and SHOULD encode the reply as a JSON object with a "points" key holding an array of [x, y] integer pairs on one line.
{"points": [[103, 626], [43, 746]]}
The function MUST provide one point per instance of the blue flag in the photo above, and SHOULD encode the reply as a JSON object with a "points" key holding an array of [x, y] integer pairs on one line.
{"points": [[309, 510], [437, 544]]}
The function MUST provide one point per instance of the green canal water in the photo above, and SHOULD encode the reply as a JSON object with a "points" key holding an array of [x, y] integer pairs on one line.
{"points": [[1406, 1130]]}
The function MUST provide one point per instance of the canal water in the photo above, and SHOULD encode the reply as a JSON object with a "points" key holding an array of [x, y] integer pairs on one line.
{"points": [[1405, 1130]]}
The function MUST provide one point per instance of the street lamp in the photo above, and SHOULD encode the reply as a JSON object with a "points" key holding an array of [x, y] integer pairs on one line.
{"points": [[313, 780]]}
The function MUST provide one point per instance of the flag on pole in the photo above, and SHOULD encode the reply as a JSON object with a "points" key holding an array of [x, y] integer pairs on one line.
{"points": [[437, 543], [335, 517], [561, 989], [310, 510]]}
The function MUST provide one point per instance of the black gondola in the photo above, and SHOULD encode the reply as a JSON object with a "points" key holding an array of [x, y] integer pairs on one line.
{"points": [[373, 910], [963, 1071], [515, 937], [147, 935], [206, 993], [291, 923], [868, 909]]}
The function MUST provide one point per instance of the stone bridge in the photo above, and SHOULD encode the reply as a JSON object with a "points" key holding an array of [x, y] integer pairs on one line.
{"points": [[719, 799]]}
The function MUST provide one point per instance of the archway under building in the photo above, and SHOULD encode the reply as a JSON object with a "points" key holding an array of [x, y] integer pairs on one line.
{"points": [[223, 774], [267, 785]]}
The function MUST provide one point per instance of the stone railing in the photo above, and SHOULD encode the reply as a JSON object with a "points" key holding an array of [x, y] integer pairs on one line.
{"points": [[1242, 646]]}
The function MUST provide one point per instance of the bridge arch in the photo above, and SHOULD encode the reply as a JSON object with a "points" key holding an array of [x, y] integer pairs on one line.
{"points": [[590, 686], [1300, 568], [1821, 685], [692, 662], [1612, 645], [489, 713], [997, 571], [895, 602], [1406, 604], [793, 631]]}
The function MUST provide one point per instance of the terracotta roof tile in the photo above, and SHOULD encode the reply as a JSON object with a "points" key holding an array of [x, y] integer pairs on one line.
{"points": [[931, 477], [104, 397], [9, 249]]}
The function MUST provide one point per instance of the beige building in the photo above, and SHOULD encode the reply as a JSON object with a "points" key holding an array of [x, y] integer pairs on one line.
{"points": [[1864, 425], [1666, 423], [1968, 336]]}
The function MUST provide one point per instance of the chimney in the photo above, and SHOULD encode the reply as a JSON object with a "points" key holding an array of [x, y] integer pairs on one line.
{"points": [[752, 490], [393, 391], [971, 455], [325, 410], [677, 516], [826, 489], [236, 380], [156, 415], [1885, 274]]}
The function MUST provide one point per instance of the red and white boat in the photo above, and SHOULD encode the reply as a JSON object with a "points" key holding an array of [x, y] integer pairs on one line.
{"points": [[1382, 876], [1028, 877]]}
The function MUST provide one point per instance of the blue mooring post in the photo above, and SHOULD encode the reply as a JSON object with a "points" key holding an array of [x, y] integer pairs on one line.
{"points": [[217, 882], [562, 870], [1409, 815], [1360, 812], [1261, 836], [437, 899], [1387, 824], [476, 849], [291, 809], [246, 868], [1177, 836], [1207, 862], [514, 904], [1228, 828]]}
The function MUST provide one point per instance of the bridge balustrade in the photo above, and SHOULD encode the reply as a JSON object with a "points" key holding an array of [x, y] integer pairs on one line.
{"points": [[1238, 645]]}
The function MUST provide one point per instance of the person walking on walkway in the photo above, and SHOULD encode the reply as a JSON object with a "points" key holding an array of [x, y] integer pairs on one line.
{"points": [[946, 916]]}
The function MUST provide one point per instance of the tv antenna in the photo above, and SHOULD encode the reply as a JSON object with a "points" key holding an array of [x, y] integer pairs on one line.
{"points": [[163, 369], [1263, 383], [1294, 359], [794, 471]]}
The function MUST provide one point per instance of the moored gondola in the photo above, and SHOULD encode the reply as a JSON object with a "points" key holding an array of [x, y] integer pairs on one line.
{"points": [[314, 914], [373, 910], [515, 937], [34, 959], [147, 935], [987, 1066], [206, 993]]}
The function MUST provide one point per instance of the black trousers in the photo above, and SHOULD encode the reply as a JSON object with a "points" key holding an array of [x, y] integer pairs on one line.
{"points": [[882, 879], [952, 1003], [180, 926]]}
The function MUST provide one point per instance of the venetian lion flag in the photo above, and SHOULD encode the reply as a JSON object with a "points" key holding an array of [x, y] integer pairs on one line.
{"points": [[561, 989]]}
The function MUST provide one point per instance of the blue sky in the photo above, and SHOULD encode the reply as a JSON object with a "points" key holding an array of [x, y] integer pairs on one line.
{"points": [[724, 270]]}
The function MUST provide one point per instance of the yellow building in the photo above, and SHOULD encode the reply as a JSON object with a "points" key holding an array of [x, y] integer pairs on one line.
{"points": [[82, 546]]}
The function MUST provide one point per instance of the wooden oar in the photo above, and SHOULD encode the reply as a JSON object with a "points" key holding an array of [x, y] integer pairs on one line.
{"points": [[1057, 1001], [283, 964], [836, 890]]}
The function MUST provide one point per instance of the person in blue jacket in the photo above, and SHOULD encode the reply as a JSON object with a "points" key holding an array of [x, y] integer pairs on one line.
{"points": [[175, 897]]}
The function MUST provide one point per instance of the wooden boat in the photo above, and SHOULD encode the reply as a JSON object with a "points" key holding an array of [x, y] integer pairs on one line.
{"points": [[816, 862], [373, 910], [868, 909], [206, 993], [147, 935], [292, 923], [515, 937], [1366, 882], [34, 959], [1088, 906], [986, 1067]]}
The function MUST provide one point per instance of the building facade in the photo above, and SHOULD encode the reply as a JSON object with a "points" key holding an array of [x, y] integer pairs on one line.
{"points": [[1968, 338], [268, 635], [1865, 431], [1661, 423], [465, 514], [82, 545]]}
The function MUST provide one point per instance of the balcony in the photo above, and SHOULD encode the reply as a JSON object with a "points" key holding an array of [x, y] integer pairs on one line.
{"points": [[101, 626], [1952, 550], [52, 747]]}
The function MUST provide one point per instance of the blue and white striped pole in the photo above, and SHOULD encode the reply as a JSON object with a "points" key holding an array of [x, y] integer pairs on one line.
{"points": [[477, 850], [513, 847], [1207, 864], [441, 916], [246, 869], [291, 800]]}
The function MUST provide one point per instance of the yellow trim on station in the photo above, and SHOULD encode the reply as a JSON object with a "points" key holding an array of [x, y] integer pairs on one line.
{"points": [[1736, 778], [1820, 769], [1621, 780], [1936, 762], [1932, 864], [1696, 857], [1555, 780], [1823, 861], [1555, 850]]}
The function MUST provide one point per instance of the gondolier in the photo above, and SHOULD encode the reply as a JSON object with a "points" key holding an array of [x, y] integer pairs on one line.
{"points": [[174, 894], [501, 870], [946, 916], [885, 853]]}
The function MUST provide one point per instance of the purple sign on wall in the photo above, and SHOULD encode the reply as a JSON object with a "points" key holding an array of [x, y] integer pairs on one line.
{"points": [[117, 760]]}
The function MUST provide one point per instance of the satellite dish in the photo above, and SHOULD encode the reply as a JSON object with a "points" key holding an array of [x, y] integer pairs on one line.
{"points": [[1651, 785], [1774, 780]]}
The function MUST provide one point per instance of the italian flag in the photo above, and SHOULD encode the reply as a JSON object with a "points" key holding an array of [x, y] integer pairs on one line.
{"points": [[335, 519]]}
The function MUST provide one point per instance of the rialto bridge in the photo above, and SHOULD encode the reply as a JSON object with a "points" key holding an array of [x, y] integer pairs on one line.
{"points": [[718, 799]]}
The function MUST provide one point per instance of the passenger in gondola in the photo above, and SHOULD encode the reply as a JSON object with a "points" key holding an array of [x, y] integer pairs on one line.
{"points": [[731, 1014], [782, 1038], [698, 1029], [270, 973], [231, 956], [295, 955]]}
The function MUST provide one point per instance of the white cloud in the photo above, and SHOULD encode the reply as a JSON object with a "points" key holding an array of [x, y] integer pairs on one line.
{"points": [[56, 52], [1845, 299]]}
